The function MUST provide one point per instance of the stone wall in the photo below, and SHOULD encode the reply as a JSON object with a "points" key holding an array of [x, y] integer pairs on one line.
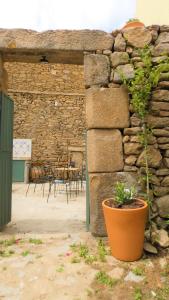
{"points": [[114, 150], [49, 107]]}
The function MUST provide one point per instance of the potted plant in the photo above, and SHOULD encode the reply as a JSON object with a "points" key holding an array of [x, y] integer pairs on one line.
{"points": [[125, 218], [133, 23]]}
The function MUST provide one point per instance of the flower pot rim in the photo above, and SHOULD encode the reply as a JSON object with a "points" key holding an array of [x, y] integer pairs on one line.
{"points": [[133, 24], [125, 209]]}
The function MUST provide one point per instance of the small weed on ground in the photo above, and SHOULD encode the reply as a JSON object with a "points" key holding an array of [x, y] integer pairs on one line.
{"points": [[102, 252], [138, 294], [105, 279], [138, 271], [9, 242], [25, 253], [162, 293], [35, 241], [60, 269], [84, 252], [6, 253]]}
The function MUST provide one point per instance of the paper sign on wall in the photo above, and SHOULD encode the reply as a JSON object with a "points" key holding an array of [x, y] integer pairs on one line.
{"points": [[22, 149]]}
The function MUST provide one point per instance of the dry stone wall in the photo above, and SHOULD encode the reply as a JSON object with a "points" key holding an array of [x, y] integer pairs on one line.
{"points": [[49, 107], [114, 149]]}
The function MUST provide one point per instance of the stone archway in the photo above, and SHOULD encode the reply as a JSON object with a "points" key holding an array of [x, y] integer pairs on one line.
{"points": [[67, 47]]}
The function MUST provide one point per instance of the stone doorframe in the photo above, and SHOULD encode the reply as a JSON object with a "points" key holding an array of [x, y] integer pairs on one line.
{"points": [[107, 109]]}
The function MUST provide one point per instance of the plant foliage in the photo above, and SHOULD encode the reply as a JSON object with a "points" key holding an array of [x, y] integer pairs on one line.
{"points": [[123, 195]]}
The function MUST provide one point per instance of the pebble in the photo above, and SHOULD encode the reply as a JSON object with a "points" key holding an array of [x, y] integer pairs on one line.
{"points": [[132, 277]]}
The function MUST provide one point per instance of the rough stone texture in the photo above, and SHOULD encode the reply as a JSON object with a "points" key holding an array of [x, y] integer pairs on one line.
{"points": [[104, 150], [119, 58], [132, 131], [161, 49], [130, 169], [96, 69], [164, 28], [162, 38], [137, 37], [48, 78], [161, 132], [132, 148], [162, 238], [159, 106], [157, 122], [162, 172], [101, 187], [158, 59], [163, 206], [49, 107], [150, 248], [165, 181], [154, 158], [163, 85], [80, 40], [163, 146], [130, 160], [124, 70], [107, 108], [163, 140], [160, 191], [166, 161], [166, 153], [119, 43], [136, 139], [163, 113], [135, 121]]}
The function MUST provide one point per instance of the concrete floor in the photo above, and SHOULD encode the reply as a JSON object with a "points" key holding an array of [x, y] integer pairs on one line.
{"points": [[32, 214]]}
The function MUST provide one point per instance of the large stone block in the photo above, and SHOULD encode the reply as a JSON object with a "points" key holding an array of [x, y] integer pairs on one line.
{"points": [[107, 108], [104, 150], [101, 187], [137, 37], [80, 40], [96, 69], [119, 58]]}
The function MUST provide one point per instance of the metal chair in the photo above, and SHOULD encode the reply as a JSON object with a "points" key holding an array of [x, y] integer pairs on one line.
{"points": [[40, 174]]}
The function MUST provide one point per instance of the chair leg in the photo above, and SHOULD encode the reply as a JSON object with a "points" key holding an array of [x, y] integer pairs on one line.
{"points": [[43, 187], [27, 189], [34, 187], [67, 196], [50, 186]]}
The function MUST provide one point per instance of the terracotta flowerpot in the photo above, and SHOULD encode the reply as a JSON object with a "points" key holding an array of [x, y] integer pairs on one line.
{"points": [[125, 229], [133, 24]]}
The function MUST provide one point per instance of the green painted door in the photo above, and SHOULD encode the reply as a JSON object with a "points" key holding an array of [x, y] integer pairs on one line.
{"points": [[87, 193], [6, 144], [18, 169]]}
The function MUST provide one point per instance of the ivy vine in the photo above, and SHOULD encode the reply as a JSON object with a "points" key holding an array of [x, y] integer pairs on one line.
{"points": [[140, 87]]}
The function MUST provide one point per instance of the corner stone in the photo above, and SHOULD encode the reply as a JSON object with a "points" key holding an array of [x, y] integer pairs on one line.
{"points": [[104, 150], [96, 69], [107, 108]]}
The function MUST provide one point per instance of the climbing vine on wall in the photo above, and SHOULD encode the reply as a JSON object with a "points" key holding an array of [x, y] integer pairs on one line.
{"points": [[140, 87]]}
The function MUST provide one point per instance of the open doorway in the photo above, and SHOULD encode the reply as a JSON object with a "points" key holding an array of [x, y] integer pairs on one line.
{"points": [[50, 111]]}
